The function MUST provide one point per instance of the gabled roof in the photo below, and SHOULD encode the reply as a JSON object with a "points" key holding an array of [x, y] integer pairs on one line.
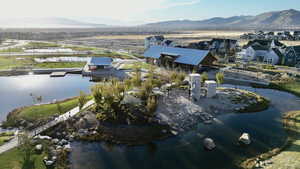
{"points": [[266, 43], [224, 40], [185, 56], [278, 53], [259, 47], [100, 61], [297, 50], [167, 42]]}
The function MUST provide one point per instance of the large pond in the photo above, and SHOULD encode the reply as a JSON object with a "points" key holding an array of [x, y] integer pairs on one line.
{"points": [[15, 91], [186, 150]]}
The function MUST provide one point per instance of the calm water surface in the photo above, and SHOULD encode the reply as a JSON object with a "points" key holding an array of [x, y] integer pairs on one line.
{"points": [[186, 151], [181, 152], [15, 91]]}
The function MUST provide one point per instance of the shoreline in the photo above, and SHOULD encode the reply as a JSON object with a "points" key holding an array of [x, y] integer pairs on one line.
{"points": [[251, 162]]}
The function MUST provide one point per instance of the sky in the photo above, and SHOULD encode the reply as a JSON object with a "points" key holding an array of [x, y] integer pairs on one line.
{"points": [[140, 11]]}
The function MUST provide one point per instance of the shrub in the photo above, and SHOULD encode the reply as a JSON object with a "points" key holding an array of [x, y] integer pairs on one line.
{"points": [[151, 104], [220, 78], [137, 78], [108, 97], [82, 99], [146, 90]]}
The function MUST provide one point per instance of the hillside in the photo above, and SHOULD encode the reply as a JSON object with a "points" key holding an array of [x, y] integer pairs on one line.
{"points": [[272, 20]]}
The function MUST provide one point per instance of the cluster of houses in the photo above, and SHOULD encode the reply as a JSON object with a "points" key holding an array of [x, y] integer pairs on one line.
{"points": [[158, 40], [204, 53], [271, 52], [285, 35], [217, 47]]}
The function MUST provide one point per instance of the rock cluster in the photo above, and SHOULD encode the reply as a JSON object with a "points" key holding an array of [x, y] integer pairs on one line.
{"points": [[56, 147], [259, 163]]}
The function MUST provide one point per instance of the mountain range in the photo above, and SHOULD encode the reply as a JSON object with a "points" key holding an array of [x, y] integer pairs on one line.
{"points": [[48, 22], [271, 20]]}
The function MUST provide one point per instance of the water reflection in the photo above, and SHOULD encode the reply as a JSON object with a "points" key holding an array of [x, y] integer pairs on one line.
{"points": [[186, 151], [15, 91]]}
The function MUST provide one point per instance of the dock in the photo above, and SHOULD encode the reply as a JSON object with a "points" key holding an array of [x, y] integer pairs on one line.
{"points": [[58, 74]]}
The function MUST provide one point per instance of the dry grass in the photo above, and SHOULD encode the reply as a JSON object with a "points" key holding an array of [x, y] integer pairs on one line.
{"points": [[183, 34], [291, 43]]}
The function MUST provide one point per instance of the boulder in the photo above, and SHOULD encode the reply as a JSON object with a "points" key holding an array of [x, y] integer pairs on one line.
{"points": [[245, 138], [54, 158], [67, 147], [39, 147], [49, 162], [209, 143], [42, 137], [55, 141], [63, 142]]}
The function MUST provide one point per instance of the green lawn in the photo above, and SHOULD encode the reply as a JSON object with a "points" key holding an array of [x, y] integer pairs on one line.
{"points": [[38, 45], [292, 87], [12, 50], [45, 111], [37, 113], [140, 65], [9, 62], [81, 48], [4, 137], [13, 159], [289, 157], [60, 65]]}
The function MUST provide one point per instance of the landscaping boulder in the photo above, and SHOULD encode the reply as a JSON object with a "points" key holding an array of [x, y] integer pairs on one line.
{"points": [[245, 138], [55, 141], [39, 147], [49, 162], [67, 147], [209, 143], [42, 137], [62, 142]]}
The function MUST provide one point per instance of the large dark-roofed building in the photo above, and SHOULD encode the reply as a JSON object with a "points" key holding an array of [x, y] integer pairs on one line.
{"points": [[187, 59]]}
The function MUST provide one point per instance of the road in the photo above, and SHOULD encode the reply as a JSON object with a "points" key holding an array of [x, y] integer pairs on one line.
{"points": [[14, 142]]}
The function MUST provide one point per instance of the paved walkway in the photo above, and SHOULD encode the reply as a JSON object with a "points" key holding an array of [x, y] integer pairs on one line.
{"points": [[14, 142]]}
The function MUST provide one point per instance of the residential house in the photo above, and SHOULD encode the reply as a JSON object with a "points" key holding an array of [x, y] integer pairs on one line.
{"points": [[154, 41], [183, 58], [223, 47], [167, 42], [292, 56], [273, 57], [267, 51], [202, 45], [255, 52]]}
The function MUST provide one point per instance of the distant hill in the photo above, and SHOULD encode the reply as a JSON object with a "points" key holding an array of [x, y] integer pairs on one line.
{"points": [[270, 20], [51, 22]]}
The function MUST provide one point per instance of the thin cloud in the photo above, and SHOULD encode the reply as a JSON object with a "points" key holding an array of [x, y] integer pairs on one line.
{"points": [[185, 3]]}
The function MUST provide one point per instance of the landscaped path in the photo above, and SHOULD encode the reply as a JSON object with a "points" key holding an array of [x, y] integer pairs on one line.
{"points": [[14, 142]]}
